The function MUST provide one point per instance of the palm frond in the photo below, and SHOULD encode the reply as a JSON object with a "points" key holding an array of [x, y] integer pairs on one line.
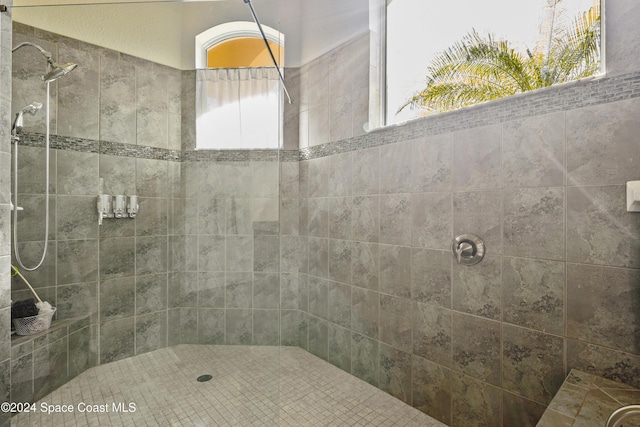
{"points": [[480, 68]]}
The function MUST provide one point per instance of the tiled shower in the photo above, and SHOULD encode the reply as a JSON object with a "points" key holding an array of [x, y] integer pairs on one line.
{"points": [[340, 243]]}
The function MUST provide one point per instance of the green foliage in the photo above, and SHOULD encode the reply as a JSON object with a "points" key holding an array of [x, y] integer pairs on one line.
{"points": [[480, 68]]}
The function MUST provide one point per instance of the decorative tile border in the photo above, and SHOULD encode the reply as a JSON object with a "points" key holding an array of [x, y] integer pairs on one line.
{"points": [[33, 139], [578, 94]]}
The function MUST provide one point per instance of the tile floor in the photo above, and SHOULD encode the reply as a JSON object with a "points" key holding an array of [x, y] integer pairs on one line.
{"points": [[251, 386]]}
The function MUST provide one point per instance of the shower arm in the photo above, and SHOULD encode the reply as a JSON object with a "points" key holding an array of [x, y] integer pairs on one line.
{"points": [[42, 51], [266, 42]]}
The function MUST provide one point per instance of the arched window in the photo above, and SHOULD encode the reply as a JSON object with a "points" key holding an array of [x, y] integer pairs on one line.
{"points": [[238, 96]]}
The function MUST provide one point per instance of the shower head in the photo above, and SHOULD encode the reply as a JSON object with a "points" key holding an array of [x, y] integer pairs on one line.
{"points": [[18, 123], [55, 70]]}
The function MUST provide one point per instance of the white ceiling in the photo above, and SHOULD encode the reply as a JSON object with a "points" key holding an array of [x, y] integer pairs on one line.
{"points": [[164, 31]]}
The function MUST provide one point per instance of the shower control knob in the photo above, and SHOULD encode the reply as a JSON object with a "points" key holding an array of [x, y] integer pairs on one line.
{"points": [[467, 249]]}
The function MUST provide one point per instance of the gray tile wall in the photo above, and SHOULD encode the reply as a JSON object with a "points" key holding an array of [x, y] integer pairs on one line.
{"points": [[225, 286], [117, 118], [5, 216], [542, 180], [333, 101], [558, 289], [379, 234], [366, 280]]}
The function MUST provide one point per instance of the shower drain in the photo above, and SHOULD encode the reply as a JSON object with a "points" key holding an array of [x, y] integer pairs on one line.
{"points": [[204, 378]]}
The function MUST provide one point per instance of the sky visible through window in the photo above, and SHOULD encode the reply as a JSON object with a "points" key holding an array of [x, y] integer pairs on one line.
{"points": [[418, 29]]}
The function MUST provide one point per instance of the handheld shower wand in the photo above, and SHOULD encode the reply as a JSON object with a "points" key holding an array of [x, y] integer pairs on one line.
{"points": [[53, 72], [18, 123]]}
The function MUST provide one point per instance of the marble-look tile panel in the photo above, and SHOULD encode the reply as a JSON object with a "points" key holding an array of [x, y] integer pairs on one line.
{"points": [[151, 255], [533, 294], [476, 347], [151, 331], [395, 372], [78, 115], [211, 289], [340, 217], [365, 218], [238, 326], [431, 389], [365, 262], [532, 363], [534, 222], [599, 229], [601, 144], [477, 158], [477, 289], [431, 163], [395, 219], [603, 305], [364, 358], [395, 170], [339, 353], [294, 254], [79, 299], [151, 178], [117, 257], [117, 340], [293, 329], [239, 253], [395, 322], [431, 277], [319, 177], [77, 173], [266, 327], [474, 403], [395, 270], [533, 151], [211, 326], [266, 290], [479, 213], [431, 328], [318, 217], [265, 179], [77, 261], [151, 293], [239, 290], [117, 80], [366, 172], [318, 297], [520, 412], [32, 168], [31, 220], [319, 257], [339, 304], [117, 298], [118, 173], [117, 122], [365, 312], [21, 386], [340, 174], [340, 255], [266, 254], [431, 220], [50, 368], [319, 337], [211, 253]]}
